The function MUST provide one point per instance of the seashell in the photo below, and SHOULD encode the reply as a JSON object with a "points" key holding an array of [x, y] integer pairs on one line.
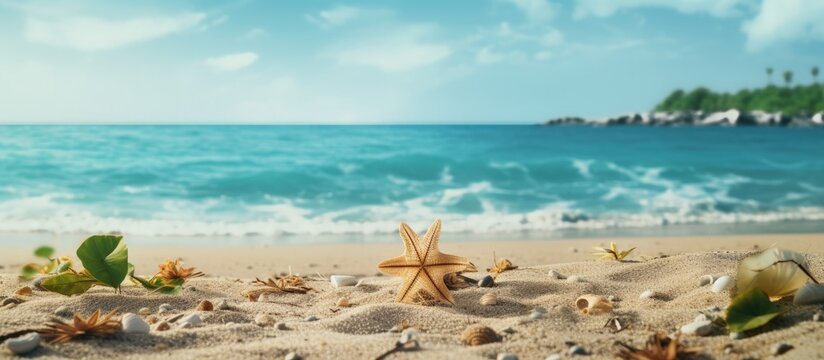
{"points": [[191, 320], [455, 281], [23, 291], [775, 271], [292, 356], [648, 294], [722, 283], [62, 311], [700, 328], [342, 302], [281, 326], [555, 274], [489, 299], [593, 304], [706, 280], [162, 326], [506, 356], [151, 319], [573, 279], [23, 344], [310, 318], [223, 305], [478, 335], [263, 320], [487, 281], [576, 350], [809, 294], [205, 305], [339, 281], [780, 349], [134, 324], [11, 300], [144, 311]]}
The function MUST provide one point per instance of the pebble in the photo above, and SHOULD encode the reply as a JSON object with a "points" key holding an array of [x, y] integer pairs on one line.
{"points": [[23, 344], [723, 283], [819, 316], [700, 328], [62, 311], [164, 308], [192, 320], [576, 350], [555, 274], [507, 356], [705, 280], [310, 318], [553, 357], [205, 305], [339, 281], [23, 291], [263, 320], [573, 279], [535, 315], [780, 348], [134, 324], [508, 330], [408, 335], [648, 294], [223, 305], [612, 298], [162, 326], [144, 311], [292, 356], [281, 326], [736, 336], [487, 281], [11, 300]]}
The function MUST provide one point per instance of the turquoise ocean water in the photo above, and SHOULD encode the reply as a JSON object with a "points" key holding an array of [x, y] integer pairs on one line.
{"points": [[302, 183]]}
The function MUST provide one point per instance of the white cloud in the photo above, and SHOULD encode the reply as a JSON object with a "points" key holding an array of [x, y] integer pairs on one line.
{"points": [[91, 33], [604, 8], [232, 62], [543, 55], [508, 43], [785, 20], [400, 50], [342, 15], [254, 33], [536, 10], [488, 55]]}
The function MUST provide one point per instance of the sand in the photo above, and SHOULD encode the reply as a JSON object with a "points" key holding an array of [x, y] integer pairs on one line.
{"points": [[361, 331]]}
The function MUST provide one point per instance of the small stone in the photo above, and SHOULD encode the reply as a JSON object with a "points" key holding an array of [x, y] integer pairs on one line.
{"points": [[205, 305], [555, 274], [780, 349], [11, 300], [736, 336], [281, 326], [23, 291], [540, 309], [62, 311], [508, 330], [612, 298], [408, 335], [553, 357], [728, 349], [134, 324], [648, 294], [164, 308], [223, 305], [507, 356], [23, 344], [700, 328], [576, 350], [487, 281], [162, 326], [339, 281], [151, 319], [263, 320], [292, 356], [722, 283], [144, 311], [819, 316], [573, 279], [535, 315], [310, 318], [193, 320]]}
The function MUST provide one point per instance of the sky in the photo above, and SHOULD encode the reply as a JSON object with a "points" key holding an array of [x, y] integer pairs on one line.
{"points": [[356, 61]]}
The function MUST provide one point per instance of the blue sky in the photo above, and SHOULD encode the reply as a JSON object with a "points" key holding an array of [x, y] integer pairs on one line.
{"points": [[456, 61]]}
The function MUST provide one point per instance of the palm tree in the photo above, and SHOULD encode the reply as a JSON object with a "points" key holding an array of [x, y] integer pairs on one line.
{"points": [[788, 77], [769, 75], [815, 74]]}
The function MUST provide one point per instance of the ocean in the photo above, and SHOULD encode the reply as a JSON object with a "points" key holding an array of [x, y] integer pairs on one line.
{"points": [[299, 184]]}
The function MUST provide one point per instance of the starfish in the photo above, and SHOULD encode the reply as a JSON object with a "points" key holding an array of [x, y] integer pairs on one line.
{"points": [[423, 266]]}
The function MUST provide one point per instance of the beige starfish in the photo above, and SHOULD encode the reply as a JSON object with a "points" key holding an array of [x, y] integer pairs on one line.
{"points": [[423, 266]]}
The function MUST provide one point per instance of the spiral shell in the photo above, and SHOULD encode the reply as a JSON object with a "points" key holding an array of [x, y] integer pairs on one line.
{"points": [[489, 299], [593, 304], [479, 335]]}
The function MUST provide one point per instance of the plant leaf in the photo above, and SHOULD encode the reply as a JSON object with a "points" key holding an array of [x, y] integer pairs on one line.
{"points": [[750, 310], [44, 252], [106, 258], [69, 283], [29, 271]]}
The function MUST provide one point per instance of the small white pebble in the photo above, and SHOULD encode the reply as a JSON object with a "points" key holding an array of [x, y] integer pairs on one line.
{"points": [[339, 281], [736, 336], [408, 335], [553, 357], [223, 305], [134, 324], [23, 344], [722, 283], [576, 350], [292, 356], [163, 308], [310, 318], [648, 294], [535, 315], [507, 356], [700, 328], [192, 319]]}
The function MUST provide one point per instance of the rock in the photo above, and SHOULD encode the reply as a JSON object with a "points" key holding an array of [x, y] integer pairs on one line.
{"points": [[310, 318], [263, 320], [191, 320], [164, 308], [736, 336], [134, 324], [292, 356], [576, 350], [780, 349], [162, 326], [339, 281], [722, 283], [408, 335], [281, 326], [508, 330], [223, 305], [23, 344], [700, 328], [23, 291], [507, 356], [62, 311], [555, 274], [144, 311], [205, 305], [553, 357], [535, 315], [648, 294], [612, 298], [487, 281]]}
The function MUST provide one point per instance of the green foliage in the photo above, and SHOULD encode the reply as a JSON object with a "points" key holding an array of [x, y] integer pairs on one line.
{"points": [[751, 310], [803, 99], [69, 283], [44, 252], [52, 266], [106, 258]]}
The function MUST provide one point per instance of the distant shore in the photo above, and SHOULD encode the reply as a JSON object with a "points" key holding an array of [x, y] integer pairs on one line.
{"points": [[732, 117]]}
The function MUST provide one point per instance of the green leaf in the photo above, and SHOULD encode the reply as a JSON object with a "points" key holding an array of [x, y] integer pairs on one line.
{"points": [[44, 252], [106, 258], [29, 271], [751, 310], [69, 283]]}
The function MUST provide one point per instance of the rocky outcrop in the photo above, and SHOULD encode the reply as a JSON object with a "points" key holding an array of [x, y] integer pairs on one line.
{"points": [[730, 117]]}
